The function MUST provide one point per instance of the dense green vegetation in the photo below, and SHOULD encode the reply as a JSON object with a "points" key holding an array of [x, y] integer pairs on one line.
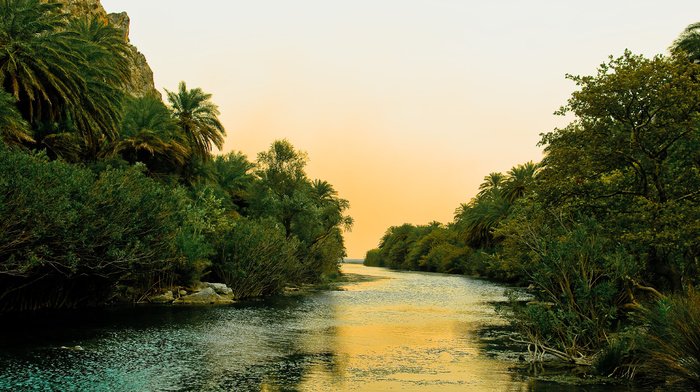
{"points": [[105, 196], [604, 229]]}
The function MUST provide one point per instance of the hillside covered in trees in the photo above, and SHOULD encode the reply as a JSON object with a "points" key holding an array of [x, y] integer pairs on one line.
{"points": [[605, 229], [111, 196]]}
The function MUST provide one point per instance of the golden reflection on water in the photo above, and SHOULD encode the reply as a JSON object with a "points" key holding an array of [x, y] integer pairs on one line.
{"points": [[382, 344]]}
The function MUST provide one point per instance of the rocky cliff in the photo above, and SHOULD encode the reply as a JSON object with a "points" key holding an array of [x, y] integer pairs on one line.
{"points": [[141, 81]]}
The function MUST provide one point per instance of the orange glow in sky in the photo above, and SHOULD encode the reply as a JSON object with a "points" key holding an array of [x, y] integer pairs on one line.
{"points": [[403, 105]]}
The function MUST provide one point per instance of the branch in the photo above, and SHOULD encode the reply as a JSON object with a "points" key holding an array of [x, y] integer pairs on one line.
{"points": [[648, 289], [559, 354]]}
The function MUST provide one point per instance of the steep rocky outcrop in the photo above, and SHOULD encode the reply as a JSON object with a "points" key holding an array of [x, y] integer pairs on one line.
{"points": [[141, 81]]}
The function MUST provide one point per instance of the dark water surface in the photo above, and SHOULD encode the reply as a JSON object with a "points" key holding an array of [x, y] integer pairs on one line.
{"points": [[403, 331]]}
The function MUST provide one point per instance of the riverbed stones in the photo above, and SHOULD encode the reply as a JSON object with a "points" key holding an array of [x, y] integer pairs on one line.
{"points": [[219, 288], [203, 297], [164, 298]]}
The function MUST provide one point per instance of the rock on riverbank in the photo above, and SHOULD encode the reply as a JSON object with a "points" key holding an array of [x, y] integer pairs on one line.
{"points": [[204, 293]]}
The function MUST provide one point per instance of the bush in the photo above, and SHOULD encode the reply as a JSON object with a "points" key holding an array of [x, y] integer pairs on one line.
{"points": [[672, 341], [580, 284], [255, 258], [373, 258], [68, 237]]}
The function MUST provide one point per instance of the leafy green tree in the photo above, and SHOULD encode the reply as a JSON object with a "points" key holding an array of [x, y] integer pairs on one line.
{"points": [[255, 259], [581, 281], [492, 185], [373, 258], [283, 189], [631, 158], [395, 245], [71, 238], [309, 212], [197, 116]]}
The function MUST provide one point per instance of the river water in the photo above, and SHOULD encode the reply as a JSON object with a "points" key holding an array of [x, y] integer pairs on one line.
{"points": [[396, 331]]}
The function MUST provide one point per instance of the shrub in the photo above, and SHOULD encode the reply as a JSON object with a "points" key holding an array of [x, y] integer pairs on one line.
{"points": [[254, 258], [672, 340], [68, 237]]}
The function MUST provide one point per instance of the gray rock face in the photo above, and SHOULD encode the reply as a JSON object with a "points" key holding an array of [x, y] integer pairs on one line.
{"points": [[206, 296]]}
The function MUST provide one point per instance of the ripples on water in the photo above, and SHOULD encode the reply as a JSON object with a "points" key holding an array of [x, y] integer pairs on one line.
{"points": [[403, 331]]}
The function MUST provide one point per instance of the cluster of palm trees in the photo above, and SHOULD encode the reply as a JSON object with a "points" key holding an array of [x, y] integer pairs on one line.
{"points": [[477, 219], [63, 81], [63, 93]]}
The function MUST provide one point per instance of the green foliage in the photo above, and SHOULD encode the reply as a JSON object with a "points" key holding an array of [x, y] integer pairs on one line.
{"points": [[234, 179], [579, 287], [62, 71], [672, 340], [150, 135], [608, 219], [631, 157], [255, 258], [14, 130], [70, 237], [373, 258], [689, 42], [197, 116], [309, 212]]}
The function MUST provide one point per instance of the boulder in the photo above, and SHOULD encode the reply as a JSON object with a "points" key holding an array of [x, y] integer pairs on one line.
{"points": [[206, 296], [219, 288], [164, 298]]}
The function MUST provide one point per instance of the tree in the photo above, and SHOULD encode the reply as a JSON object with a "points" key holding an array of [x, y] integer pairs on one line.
{"points": [[632, 158], [520, 181], [39, 65], [61, 74], [309, 212], [150, 135], [105, 72], [197, 115], [13, 129], [283, 179], [689, 42], [492, 184], [234, 178]]}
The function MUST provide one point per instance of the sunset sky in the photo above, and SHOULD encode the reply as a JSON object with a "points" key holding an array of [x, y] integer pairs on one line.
{"points": [[403, 106]]}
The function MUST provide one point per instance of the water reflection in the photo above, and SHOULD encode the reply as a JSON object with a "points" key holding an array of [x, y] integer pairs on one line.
{"points": [[401, 331]]}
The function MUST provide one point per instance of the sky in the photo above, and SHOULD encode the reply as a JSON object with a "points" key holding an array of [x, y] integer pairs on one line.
{"points": [[404, 106]]}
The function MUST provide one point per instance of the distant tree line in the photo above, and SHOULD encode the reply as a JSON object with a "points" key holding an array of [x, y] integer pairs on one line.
{"points": [[605, 229], [105, 196]]}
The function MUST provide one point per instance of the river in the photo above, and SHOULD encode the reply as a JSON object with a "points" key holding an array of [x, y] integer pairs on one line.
{"points": [[392, 331]]}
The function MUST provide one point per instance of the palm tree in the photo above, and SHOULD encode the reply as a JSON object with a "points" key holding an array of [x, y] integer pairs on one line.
{"points": [[332, 207], [39, 65], [492, 184], [477, 220], [108, 51], [106, 72], [61, 74], [198, 118], [689, 42], [150, 135], [520, 180], [13, 129]]}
